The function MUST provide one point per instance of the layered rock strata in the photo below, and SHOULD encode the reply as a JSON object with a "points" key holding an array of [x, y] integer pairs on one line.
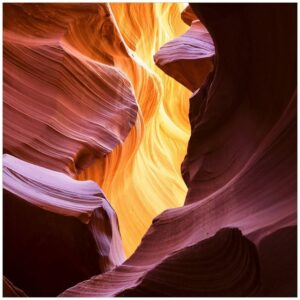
{"points": [[57, 231], [188, 16], [240, 167], [236, 233], [157, 143], [188, 58], [208, 268], [72, 63], [62, 108]]}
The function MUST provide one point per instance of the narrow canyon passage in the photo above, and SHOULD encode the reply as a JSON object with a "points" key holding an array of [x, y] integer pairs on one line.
{"points": [[150, 149], [142, 177]]}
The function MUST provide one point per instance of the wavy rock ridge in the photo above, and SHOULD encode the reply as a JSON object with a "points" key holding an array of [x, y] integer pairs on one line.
{"points": [[82, 115], [188, 58], [240, 211], [51, 223], [157, 144], [240, 168]]}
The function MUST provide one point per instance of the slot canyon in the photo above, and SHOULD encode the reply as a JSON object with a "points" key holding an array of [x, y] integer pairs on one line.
{"points": [[149, 149]]}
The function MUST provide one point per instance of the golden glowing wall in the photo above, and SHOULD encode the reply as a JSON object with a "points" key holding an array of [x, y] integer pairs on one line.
{"points": [[142, 177]]}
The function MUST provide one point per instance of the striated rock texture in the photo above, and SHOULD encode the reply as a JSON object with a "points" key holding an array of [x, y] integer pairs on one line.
{"points": [[240, 169], [239, 107], [223, 265], [211, 266], [57, 231], [157, 144], [66, 72], [188, 16], [62, 108], [188, 58], [236, 234]]}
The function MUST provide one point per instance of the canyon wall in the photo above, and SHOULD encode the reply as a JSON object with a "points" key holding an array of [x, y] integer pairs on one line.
{"points": [[240, 170], [97, 108]]}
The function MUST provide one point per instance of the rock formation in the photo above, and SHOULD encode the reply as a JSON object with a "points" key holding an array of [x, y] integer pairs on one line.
{"points": [[188, 58], [57, 231], [208, 268], [62, 109], [236, 233], [10, 290], [157, 144], [81, 61], [240, 166]]}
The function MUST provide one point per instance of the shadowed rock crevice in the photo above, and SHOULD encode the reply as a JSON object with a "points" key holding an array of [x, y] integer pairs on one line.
{"points": [[45, 253], [10, 290], [240, 166], [57, 231]]}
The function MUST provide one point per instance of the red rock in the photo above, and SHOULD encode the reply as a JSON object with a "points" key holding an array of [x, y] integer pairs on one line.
{"points": [[240, 165], [240, 169], [62, 109], [57, 231], [10, 290], [189, 58], [188, 16], [215, 267]]}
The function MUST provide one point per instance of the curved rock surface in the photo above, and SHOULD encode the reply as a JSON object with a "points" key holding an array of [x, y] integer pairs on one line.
{"points": [[88, 124], [157, 144], [240, 212], [240, 166], [188, 58], [57, 231], [10, 290], [188, 16], [62, 109], [223, 265]]}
